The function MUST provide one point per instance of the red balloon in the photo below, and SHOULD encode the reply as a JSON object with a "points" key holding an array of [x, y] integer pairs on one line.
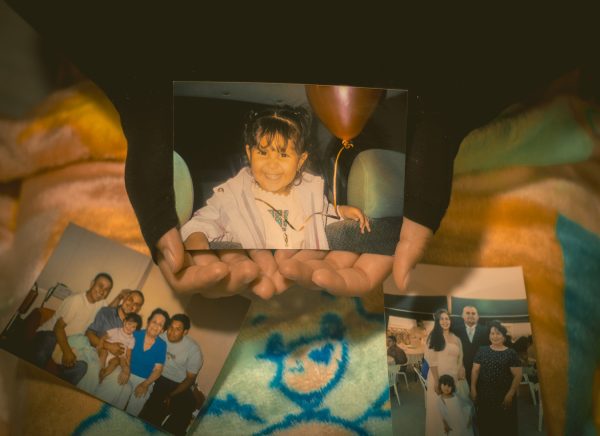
{"points": [[343, 109]]}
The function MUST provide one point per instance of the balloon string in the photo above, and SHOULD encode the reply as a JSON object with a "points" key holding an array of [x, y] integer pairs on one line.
{"points": [[345, 146]]}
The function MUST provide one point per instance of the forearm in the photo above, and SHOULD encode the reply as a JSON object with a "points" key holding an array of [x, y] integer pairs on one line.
{"points": [[515, 384], [61, 336], [156, 372], [95, 341], [474, 378], [183, 386]]}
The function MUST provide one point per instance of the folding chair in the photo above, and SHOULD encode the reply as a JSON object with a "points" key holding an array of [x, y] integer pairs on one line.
{"points": [[423, 384], [392, 374]]}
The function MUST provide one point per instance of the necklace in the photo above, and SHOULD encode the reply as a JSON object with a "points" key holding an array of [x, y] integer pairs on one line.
{"points": [[281, 218]]}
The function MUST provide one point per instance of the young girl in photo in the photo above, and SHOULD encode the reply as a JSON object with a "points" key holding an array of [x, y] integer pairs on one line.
{"points": [[456, 412], [124, 335], [274, 202]]}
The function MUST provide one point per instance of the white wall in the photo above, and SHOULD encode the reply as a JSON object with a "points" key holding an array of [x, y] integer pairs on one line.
{"points": [[81, 254]]}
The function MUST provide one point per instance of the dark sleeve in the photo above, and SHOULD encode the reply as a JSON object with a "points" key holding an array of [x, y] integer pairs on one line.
{"points": [[147, 124], [402, 356], [479, 355], [161, 352], [514, 360], [431, 149]]}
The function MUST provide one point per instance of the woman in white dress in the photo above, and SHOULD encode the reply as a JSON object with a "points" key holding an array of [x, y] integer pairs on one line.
{"points": [[444, 356]]}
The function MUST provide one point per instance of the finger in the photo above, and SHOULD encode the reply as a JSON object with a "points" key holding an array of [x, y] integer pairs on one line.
{"points": [[414, 238], [242, 271], [263, 286], [368, 272], [195, 278], [300, 267], [339, 259], [270, 277], [368, 224], [170, 247], [281, 255], [333, 261]]}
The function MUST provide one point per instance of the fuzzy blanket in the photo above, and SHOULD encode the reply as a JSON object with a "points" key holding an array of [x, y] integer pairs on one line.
{"points": [[526, 192]]}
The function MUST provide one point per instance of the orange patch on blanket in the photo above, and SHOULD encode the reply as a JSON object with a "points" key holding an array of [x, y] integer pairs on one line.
{"points": [[83, 112]]}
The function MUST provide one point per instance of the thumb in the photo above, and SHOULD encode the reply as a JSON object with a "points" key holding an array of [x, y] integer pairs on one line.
{"points": [[170, 248], [414, 238]]}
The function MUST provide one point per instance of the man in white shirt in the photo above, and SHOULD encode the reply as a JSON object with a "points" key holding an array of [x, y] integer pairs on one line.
{"points": [[173, 391], [73, 316], [472, 335]]}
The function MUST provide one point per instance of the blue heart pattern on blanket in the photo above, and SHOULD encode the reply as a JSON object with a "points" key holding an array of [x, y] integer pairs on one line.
{"points": [[322, 355]]}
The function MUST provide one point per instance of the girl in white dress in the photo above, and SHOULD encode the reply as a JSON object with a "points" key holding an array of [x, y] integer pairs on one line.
{"points": [[456, 412], [444, 356], [274, 202]]}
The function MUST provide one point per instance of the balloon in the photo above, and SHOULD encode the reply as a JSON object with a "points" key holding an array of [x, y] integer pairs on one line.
{"points": [[343, 109]]}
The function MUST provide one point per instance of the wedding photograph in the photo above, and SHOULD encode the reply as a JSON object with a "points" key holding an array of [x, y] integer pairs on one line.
{"points": [[461, 354]]}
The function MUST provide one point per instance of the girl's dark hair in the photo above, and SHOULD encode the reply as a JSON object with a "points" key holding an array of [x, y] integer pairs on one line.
{"points": [[159, 311], [292, 123], [503, 331], [447, 380], [134, 317], [436, 339]]}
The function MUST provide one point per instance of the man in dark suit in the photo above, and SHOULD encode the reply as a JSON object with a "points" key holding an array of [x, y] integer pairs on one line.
{"points": [[472, 335]]}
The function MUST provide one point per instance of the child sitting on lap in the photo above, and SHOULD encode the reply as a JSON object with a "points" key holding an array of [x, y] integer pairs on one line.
{"points": [[273, 203], [123, 335]]}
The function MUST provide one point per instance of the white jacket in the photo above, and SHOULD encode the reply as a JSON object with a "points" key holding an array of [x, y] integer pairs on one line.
{"points": [[231, 214]]}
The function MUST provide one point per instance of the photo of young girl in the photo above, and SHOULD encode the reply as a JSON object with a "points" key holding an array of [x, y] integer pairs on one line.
{"points": [[274, 192], [271, 170]]}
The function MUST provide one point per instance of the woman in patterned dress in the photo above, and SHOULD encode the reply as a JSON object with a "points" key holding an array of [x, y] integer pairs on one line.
{"points": [[494, 383]]}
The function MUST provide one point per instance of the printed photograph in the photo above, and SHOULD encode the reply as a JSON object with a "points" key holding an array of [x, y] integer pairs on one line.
{"points": [[461, 355], [101, 318], [290, 166]]}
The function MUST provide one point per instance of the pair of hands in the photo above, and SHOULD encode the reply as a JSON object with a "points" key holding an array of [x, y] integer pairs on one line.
{"points": [[229, 272]]}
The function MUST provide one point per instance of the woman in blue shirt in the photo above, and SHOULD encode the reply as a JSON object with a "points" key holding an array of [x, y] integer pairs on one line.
{"points": [[131, 388]]}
